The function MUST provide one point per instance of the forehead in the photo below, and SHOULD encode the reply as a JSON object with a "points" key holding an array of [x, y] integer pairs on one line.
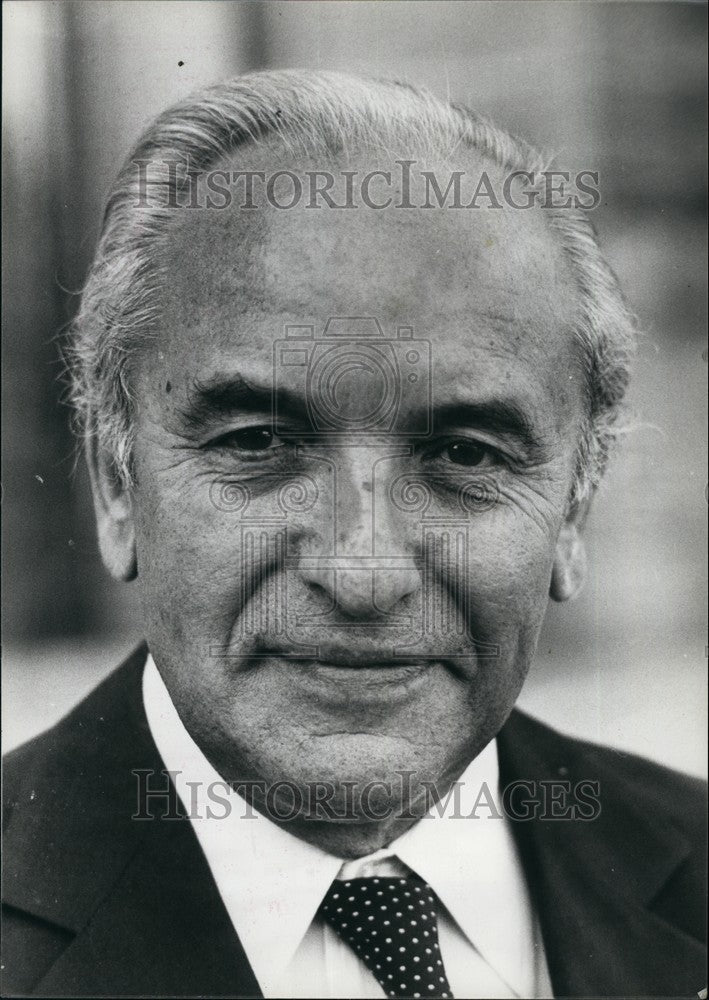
{"points": [[490, 289]]}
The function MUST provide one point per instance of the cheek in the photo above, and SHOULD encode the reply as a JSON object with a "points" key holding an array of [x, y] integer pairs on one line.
{"points": [[508, 591], [191, 561], [508, 574]]}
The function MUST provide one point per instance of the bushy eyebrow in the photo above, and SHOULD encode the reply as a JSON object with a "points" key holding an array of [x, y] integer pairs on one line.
{"points": [[502, 415], [217, 399]]}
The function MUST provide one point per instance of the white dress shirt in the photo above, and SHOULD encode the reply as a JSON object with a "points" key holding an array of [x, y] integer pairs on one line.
{"points": [[272, 882]]}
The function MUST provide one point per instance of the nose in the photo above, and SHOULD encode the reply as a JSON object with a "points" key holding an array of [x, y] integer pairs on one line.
{"points": [[373, 567]]}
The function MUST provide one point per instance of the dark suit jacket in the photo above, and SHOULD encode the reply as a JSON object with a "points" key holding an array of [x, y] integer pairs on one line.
{"points": [[97, 904]]}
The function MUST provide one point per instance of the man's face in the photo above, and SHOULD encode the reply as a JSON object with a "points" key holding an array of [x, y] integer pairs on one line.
{"points": [[355, 587]]}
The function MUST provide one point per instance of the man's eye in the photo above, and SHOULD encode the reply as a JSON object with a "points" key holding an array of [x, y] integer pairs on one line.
{"points": [[466, 453], [256, 440]]}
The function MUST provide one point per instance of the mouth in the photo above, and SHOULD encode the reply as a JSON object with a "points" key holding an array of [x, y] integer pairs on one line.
{"points": [[362, 659], [383, 672], [358, 676]]}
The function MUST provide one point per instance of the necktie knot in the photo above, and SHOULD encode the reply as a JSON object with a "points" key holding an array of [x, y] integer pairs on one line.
{"points": [[392, 926]]}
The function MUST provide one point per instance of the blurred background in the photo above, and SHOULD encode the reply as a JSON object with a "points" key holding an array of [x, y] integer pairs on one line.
{"points": [[614, 87]]}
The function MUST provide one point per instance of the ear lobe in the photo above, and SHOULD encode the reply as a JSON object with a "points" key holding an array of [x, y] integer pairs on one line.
{"points": [[569, 569], [114, 512]]}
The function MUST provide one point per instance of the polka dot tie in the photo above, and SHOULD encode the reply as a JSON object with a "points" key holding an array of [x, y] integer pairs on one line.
{"points": [[391, 924]]}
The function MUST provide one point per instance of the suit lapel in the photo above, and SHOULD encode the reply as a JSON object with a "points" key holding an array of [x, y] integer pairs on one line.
{"points": [[592, 882], [161, 930], [138, 894]]}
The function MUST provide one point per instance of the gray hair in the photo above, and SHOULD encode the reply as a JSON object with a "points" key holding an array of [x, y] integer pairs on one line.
{"points": [[312, 113]]}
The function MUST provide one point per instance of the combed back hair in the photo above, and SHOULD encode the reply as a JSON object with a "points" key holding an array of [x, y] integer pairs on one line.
{"points": [[312, 114]]}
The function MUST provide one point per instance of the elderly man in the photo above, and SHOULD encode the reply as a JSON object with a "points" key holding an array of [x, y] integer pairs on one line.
{"points": [[347, 379]]}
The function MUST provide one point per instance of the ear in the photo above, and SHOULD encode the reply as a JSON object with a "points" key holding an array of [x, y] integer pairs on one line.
{"points": [[569, 569], [114, 512]]}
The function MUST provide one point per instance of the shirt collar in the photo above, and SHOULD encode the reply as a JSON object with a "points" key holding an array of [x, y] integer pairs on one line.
{"points": [[272, 882], [467, 854], [464, 848]]}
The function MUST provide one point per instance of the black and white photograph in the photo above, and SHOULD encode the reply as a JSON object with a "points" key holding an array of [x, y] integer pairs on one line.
{"points": [[354, 493]]}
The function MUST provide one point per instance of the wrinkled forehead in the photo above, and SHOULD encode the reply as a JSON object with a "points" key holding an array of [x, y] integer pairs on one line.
{"points": [[482, 284]]}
